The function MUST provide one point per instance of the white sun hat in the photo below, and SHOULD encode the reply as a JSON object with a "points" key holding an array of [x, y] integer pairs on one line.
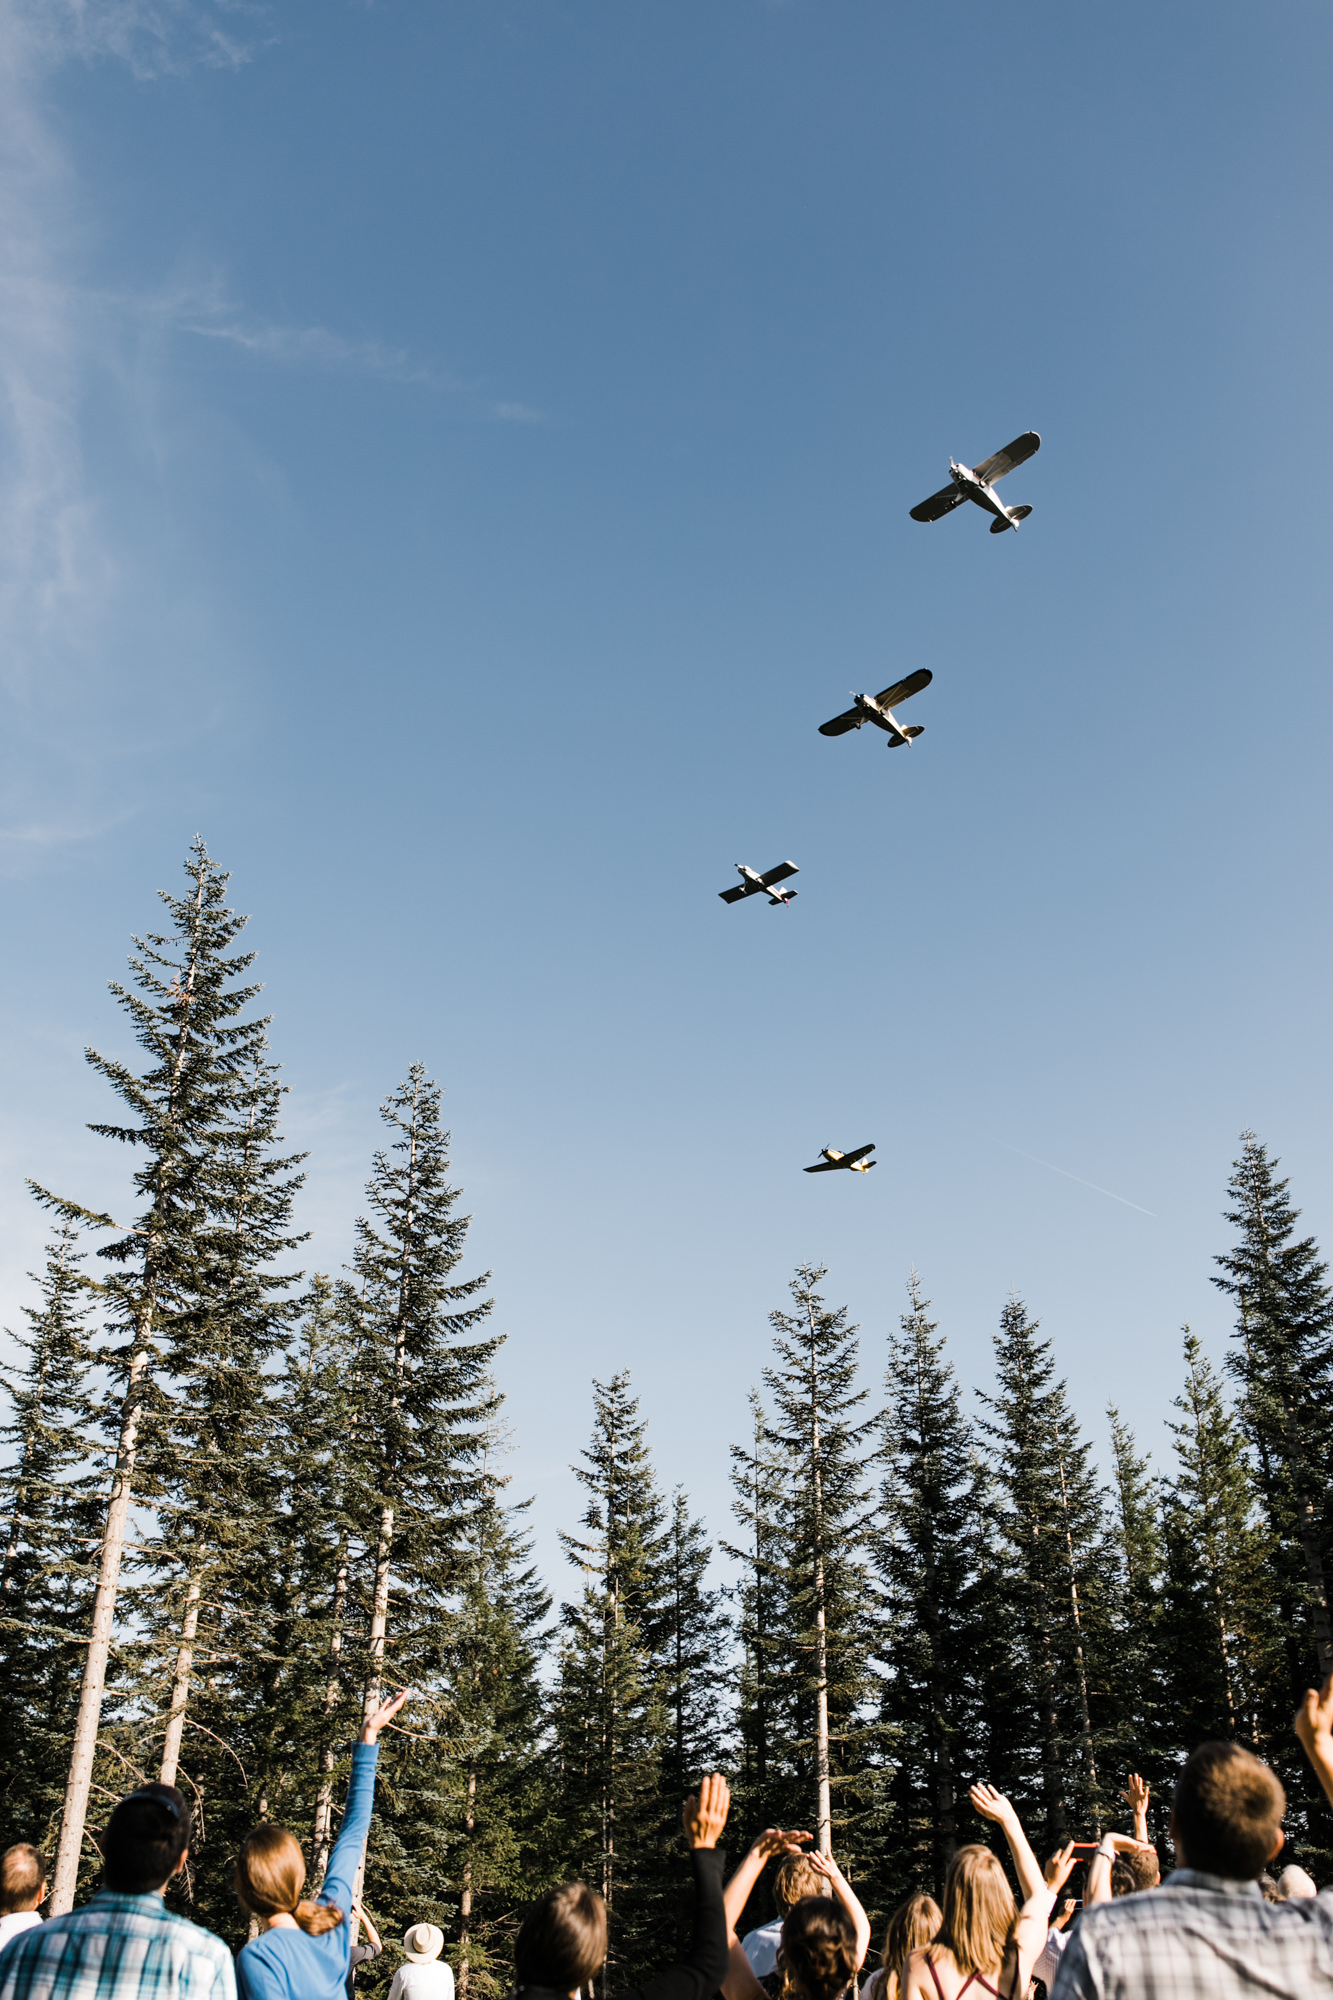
{"points": [[422, 1942]]}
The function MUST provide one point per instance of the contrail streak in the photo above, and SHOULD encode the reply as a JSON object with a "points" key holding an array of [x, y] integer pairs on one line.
{"points": [[1074, 1177]]}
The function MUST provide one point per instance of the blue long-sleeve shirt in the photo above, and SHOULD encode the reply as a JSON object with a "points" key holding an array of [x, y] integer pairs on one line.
{"points": [[286, 1964]]}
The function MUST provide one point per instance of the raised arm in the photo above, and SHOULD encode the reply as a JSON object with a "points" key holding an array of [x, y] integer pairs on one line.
{"points": [[994, 1805], [351, 1842], [1314, 1728], [825, 1865], [1136, 1797], [771, 1841], [373, 1938]]}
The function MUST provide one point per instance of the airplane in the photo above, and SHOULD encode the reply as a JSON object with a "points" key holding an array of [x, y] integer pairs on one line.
{"points": [[751, 884], [876, 709], [855, 1160], [980, 485]]}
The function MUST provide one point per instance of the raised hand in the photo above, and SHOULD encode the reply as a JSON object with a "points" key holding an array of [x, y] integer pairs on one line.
{"points": [[1314, 1723], [1060, 1867], [774, 1840], [1135, 1794], [705, 1812], [370, 1729], [991, 1804]]}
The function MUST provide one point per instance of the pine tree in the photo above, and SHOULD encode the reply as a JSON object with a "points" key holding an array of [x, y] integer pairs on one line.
{"points": [[827, 1645], [426, 1434], [1284, 1365], [1057, 1589], [1217, 1644], [925, 1551], [47, 1516], [758, 1479], [1131, 1701], [692, 1651], [611, 1722], [185, 1016]]}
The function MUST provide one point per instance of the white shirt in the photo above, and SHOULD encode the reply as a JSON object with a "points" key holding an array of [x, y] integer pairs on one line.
{"points": [[15, 1921], [1048, 1963], [432, 1979], [760, 1947]]}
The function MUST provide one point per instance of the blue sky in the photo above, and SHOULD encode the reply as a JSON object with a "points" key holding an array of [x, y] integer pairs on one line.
{"points": [[454, 456]]}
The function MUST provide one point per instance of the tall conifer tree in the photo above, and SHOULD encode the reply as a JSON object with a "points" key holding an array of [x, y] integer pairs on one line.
{"points": [[824, 1444], [925, 1551], [186, 1017], [759, 1485]]}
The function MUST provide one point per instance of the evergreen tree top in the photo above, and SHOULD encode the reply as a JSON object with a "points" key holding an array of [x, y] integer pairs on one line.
{"points": [[814, 1392], [1278, 1280]]}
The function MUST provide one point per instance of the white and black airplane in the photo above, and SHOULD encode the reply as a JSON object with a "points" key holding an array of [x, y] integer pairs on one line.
{"points": [[833, 1159], [751, 884], [979, 484], [878, 708]]}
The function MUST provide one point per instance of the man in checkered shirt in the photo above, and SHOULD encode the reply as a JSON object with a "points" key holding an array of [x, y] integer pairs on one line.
{"points": [[1207, 1933], [125, 1944]]}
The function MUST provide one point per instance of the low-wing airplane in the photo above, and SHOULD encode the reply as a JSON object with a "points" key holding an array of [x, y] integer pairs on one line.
{"points": [[877, 709], [855, 1160], [980, 485], [751, 884]]}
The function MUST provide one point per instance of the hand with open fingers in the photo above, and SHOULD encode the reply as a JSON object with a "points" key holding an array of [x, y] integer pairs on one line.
{"points": [[990, 1803], [705, 1811], [1065, 1912], [1314, 1722], [1060, 1866], [825, 1865], [777, 1840], [385, 1714], [1135, 1793]]}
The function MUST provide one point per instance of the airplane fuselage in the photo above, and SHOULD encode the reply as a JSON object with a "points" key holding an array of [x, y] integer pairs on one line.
{"points": [[868, 707], [984, 495], [754, 881]]}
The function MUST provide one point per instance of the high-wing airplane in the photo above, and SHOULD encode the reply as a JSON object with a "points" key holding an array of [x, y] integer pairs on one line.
{"points": [[751, 884], [855, 1160], [980, 485], [877, 709]]}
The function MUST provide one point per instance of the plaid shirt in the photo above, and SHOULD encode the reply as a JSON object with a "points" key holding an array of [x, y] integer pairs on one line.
{"points": [[1198, 1937], [117, 1948]]}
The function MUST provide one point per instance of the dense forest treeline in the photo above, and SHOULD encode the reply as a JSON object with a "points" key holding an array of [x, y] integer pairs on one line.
{"points": [[239, 1501]]}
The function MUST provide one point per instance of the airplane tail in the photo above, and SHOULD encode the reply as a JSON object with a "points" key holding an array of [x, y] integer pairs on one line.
{"points": [[906, 735], [790, 897], [1011, 519]]}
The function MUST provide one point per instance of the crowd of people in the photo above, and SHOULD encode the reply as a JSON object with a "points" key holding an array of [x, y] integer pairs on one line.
{"points": [[1220, 1926]]}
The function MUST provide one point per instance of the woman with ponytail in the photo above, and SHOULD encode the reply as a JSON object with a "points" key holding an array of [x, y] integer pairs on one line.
{"points": [[302, 1952]]}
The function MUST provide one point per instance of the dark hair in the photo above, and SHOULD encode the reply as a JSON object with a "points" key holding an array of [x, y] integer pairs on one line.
{"points": [[21, 1876], [1229, 1809], [144, 1840], [562, 1940], [817, 1955]]}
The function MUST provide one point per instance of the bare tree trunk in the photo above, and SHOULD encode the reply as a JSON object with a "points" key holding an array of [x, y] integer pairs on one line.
{"points": [[824, 1801], [180, 1688], [88, 1720], [465, 1898], [323, 1836]]}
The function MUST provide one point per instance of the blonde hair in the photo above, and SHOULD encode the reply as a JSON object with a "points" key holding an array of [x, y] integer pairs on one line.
{"points": [[913, 1923], [796, 1879], [270, 1875], [979, 1911]]}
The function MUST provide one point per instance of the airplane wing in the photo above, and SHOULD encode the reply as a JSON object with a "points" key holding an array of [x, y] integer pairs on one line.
{"points": [[822, 1167], [991, 469], [841, 723], [900, 690], [737, 894], [780, 873], [859, 1154], [941, 503]]}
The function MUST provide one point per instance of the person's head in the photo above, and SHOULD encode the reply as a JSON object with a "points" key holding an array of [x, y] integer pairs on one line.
{"points": [[146, 1840], [1227, 1816], [22, 1879], [912, 1924], [422, 1943], [817, 1956], [1134, 1870], [1293, 1884], [561, 1943], [979, 1911], [269, 1878], [796, 1879]]}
